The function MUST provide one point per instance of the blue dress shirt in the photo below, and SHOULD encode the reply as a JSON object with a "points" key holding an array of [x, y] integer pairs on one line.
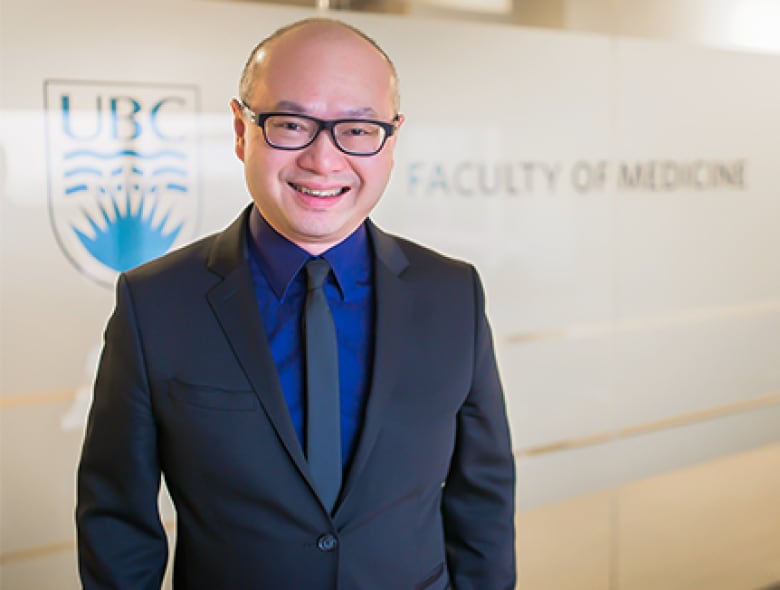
{"points": [[280, 284]]}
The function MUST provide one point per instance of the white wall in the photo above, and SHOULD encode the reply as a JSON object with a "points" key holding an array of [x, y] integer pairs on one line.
{"points": [[738, 24]]}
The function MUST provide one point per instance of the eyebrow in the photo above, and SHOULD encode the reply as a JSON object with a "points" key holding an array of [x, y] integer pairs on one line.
{"points": [[294, 107]]}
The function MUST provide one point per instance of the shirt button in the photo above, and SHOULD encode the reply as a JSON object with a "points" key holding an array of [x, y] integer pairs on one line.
{"points": [[327, 542]]}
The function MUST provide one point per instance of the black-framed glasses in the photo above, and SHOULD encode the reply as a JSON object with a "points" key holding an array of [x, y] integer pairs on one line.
{"points": [[292, 131]]}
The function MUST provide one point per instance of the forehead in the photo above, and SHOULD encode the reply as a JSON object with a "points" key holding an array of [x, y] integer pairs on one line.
{"points": [[325, 67]]}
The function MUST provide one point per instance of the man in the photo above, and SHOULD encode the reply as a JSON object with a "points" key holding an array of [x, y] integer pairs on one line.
{"points": [[208, 377]]}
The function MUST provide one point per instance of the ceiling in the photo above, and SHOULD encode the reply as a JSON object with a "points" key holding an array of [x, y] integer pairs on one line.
{"points": [[750, 25]]}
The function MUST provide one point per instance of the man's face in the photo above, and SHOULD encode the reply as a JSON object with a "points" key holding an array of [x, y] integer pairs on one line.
{"points": [[317, 196]]}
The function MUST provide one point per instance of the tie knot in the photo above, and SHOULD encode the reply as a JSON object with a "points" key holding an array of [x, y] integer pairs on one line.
{"points": [[317, 270]]}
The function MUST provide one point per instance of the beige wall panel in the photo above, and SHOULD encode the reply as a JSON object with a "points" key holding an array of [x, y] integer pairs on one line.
{"points": [[566, 545], [49, 572], [38, 477], [714, 526]]}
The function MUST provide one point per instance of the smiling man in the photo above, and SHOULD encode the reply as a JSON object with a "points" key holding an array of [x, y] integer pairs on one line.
{"points": [[321, 397]]}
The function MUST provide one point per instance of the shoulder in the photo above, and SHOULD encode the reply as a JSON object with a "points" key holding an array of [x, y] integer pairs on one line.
{"points": [[407, 256], [435, 278], [423, 254], [182, 261], [208, 258]]}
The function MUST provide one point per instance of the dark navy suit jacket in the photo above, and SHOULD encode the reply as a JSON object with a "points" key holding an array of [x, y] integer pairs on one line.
{"points": [[187, 387]]}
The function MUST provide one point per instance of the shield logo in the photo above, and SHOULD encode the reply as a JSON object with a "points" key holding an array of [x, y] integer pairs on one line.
{"points": [[123, 184]]}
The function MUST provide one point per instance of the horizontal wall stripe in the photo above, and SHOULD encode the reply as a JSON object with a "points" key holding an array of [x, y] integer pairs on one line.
{"points": [[730, 409], [37, 399], [42, 551], [564, 445], [672, 320], [553, 447], [37, 552], [572, 333]]}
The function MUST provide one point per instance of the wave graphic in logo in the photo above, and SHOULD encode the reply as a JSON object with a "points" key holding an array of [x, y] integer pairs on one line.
{"points": [[136, 204], [123, 182]]}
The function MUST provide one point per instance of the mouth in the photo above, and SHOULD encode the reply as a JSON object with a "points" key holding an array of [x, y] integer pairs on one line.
{"points": [[319, 193]]}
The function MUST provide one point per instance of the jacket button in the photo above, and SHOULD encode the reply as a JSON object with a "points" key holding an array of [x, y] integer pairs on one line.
{"points": [[327, 542]]}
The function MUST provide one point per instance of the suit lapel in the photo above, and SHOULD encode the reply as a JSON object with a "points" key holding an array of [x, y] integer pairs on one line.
{"points": [[393, 308], [234, 302]]}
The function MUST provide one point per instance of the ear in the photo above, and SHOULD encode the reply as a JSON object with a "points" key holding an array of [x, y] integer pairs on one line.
{"points": [[398, 124], [239, 128]]}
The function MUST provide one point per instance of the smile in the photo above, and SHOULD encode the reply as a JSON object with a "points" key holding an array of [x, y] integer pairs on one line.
{"points": [[334, 192]]}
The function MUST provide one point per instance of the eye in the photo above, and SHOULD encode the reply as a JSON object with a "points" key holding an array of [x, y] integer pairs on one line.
{"points": [[289, 124], [358, 129], [285, 124]]}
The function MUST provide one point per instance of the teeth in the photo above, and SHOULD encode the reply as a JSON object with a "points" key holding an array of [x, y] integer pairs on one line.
{"points": [[315, 193]]}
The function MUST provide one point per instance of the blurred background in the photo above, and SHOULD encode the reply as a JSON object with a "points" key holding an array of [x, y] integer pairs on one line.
{"points": [[610, 166]]}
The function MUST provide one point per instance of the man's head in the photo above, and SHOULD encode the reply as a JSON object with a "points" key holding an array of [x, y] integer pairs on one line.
{"points": [[318, 195]]}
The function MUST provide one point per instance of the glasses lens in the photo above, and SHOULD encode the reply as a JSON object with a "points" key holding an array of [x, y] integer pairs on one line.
{"points": [[359, 137], [289, 131]]}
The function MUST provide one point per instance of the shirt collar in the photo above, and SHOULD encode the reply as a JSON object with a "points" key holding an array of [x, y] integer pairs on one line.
{"points": [[280, 260]]}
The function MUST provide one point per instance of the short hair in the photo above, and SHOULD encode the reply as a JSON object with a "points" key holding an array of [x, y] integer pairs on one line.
{"points": [[246, 83]]}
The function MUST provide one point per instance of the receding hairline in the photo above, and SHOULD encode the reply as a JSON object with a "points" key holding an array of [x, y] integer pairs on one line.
{"points": [[248, 74]]}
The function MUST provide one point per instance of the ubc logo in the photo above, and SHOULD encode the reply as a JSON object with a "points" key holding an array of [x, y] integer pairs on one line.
{"points": [[122, 172]]}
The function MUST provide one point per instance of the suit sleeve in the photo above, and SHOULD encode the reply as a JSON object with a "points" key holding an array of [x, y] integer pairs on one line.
{"points": [[121, 541], [479, 495]]}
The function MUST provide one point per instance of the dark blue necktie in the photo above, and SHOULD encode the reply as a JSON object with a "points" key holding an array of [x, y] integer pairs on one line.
{"points": [[323, 417]]}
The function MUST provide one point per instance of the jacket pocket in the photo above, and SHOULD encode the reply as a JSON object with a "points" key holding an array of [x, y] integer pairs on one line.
{"points": [[431, 578], [213, 398]]}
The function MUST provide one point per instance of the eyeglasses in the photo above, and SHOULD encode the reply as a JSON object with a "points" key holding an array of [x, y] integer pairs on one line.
{"points": [[289, 131]]}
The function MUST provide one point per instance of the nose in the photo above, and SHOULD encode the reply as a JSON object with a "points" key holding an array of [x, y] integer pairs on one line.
{"points": [[322, 156]]}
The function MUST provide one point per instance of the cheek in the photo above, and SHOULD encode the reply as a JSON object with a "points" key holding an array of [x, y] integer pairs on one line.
{"points": [[376, 173], [264, 165]]}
